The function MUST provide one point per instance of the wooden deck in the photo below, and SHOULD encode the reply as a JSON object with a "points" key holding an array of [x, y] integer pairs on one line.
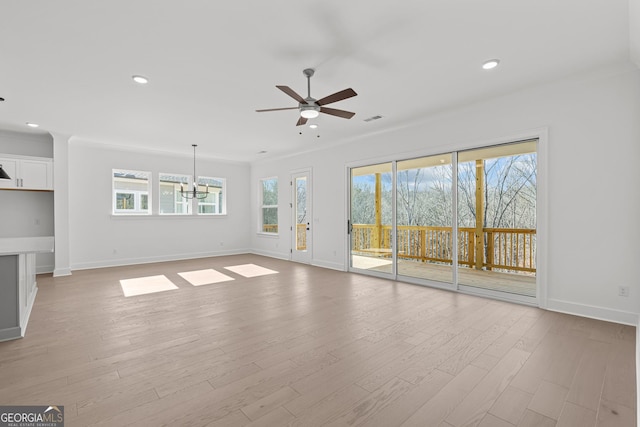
{"points": [[519, 284]]}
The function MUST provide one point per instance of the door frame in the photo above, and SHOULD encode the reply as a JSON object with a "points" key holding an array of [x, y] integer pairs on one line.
{"points": [[305, 256], [542, 207]]}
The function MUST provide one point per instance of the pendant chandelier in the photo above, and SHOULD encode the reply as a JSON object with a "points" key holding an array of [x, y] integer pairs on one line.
{"points": [[195, 193]]}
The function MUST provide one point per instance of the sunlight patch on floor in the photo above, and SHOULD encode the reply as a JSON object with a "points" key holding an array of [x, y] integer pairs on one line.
{"points": [[364, 262], [205, 277], [146, 285], [250, 270]]}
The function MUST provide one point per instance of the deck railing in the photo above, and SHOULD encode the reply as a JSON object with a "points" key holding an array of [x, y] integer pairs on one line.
{"points": [[511, 249], [301, 237], [269, 228]]}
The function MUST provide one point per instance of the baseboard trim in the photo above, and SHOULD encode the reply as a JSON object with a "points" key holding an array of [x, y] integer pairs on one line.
{"points": [[593, 312], [43, 269], [276, 255], [328, 264], [61, 272], [10, 333], [151, 260]]}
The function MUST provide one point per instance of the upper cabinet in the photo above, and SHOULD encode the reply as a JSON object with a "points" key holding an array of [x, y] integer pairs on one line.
{"points": [[27, 173]]}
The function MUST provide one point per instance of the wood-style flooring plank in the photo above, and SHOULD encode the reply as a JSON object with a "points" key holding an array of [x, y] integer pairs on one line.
{"points": [[478, 402], [548, 400], [439, 405], [325, 410], [262, 407], [511, 405], [576, 416]]}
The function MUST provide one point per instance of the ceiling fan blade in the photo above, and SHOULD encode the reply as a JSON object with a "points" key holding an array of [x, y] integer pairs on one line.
{"points": [[292, 93], [339, 113], [277, 109], [338, 96], [301, 121]]}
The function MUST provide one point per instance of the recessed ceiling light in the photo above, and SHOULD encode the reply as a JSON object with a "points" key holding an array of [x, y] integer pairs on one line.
{"points": [[32, 125], [313, 126], [490, 64], [140, 79]]}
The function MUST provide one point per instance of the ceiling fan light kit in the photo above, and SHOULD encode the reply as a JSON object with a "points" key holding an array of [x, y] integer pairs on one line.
{"points": [[309, 111], [309, 107]]}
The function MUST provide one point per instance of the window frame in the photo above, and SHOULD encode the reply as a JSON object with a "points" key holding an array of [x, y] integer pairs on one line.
{"points": [[187, 202], [220, 204], [261, 224], [137, 194]]}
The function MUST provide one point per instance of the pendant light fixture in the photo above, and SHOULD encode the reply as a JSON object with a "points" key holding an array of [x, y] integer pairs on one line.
{"points": [[195, 193], [3, 174]]}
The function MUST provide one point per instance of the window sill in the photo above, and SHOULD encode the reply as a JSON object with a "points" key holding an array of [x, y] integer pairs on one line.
{"points": [[163, 216], [271, 235]]}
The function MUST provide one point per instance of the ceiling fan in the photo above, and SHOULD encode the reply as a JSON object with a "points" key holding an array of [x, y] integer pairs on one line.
{"points": [[310, 107]]}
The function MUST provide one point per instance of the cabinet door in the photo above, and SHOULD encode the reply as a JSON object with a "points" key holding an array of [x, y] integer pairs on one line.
{"points": [[10, 166], [35, 175]]}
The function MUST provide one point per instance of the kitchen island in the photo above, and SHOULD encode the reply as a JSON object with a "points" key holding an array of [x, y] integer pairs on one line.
{"points": [[18, 286]]}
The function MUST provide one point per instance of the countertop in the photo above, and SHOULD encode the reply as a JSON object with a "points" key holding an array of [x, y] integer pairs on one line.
{"points": [[25, 245]]}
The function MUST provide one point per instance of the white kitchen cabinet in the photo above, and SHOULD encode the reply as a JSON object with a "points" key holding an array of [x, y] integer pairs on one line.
{"points": [[18, 287], [27, 173]]}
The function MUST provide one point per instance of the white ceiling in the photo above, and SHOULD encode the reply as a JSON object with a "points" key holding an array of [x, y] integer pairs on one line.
{"points": [[67, 64]]}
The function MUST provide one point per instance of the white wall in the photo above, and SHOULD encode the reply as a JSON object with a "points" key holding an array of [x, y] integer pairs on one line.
{"points": [[593, 124], [98, 239], [26, 144]]}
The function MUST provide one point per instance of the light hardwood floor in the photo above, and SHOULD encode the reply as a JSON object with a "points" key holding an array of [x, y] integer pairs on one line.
{"points": [[309, 347]]}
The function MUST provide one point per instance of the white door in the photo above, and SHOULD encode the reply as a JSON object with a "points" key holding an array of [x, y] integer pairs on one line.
{"points": [[302, 225]]}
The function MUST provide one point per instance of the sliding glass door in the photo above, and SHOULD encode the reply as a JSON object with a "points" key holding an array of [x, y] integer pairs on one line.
{"points": [[424, 205], [497, 218], [402, 221], [370, 224]]}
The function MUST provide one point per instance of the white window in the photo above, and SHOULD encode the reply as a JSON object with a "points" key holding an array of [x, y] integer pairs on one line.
{"points": [[269, 205], [131, 192], [215, 203], [171, 200]]}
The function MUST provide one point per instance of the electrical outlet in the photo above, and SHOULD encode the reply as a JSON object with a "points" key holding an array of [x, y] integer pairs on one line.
{"points": [[623, 291]]}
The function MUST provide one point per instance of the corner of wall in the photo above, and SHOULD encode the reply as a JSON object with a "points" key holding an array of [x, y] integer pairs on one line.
{"points": [[634, 33], [593, 312]]}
